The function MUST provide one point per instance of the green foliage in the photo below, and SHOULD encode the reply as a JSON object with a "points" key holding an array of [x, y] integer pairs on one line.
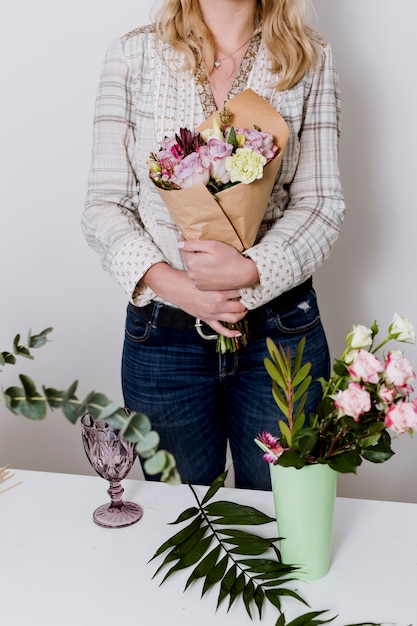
{"points": [[240, 563], [328, 436], [290, 383], [32, 403]]}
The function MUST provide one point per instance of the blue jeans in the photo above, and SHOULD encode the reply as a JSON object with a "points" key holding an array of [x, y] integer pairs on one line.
{"points": [[197, 399]]}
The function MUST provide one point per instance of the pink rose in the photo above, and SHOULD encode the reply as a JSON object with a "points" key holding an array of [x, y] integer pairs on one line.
{"points": [[353, 401], [190, 171], [213, 156], [398, 370], [387, 394], [366, 367], [402, 417]]}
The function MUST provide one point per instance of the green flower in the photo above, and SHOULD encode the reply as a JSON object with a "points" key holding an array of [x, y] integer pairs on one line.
{"points": [[245, 166]]}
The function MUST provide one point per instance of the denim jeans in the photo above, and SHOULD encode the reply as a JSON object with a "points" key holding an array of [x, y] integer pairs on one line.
{"points": [[197, 399]]}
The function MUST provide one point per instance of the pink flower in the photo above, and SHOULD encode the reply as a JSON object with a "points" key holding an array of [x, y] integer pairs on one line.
{"points": [[213, 156], [366, 367], [170, 151], [271, 445], [387, 394], [402, 417], [190, 171], [353, 401], [398, 370], [259, 142]]}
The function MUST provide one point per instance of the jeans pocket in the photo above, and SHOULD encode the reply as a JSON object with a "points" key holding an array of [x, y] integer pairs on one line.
{"points": [[136, 328], [304, 316]]}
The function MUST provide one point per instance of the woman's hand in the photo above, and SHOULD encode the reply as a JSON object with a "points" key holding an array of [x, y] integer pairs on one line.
{"points": [[213, 265], [210, 306]]}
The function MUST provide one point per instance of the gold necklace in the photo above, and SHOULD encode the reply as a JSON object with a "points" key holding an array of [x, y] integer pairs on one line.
{"points": [[218, 62]]}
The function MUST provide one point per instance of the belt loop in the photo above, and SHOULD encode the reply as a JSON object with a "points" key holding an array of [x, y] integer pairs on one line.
{"points": [[157, 306]]}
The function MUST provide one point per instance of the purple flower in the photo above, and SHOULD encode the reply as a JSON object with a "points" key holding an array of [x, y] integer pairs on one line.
{"points": [[213, 156], [257, 140], [190, 171]]}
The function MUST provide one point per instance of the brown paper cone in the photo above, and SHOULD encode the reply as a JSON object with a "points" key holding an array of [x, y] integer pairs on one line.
{"points": [[234, 215]]}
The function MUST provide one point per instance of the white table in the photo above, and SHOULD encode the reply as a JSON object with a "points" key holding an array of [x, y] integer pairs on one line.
{"points": [[59, 569]]}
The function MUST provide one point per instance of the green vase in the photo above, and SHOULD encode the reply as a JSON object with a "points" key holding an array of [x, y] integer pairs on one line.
{"points": [[304, 504]]}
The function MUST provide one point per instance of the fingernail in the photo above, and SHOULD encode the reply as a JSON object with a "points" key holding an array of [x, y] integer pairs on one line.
{"points": [[238, 335], [180, 244]]}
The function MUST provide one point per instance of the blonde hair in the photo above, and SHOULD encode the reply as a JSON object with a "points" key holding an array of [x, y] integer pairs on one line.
{"points": [[291, 43]]}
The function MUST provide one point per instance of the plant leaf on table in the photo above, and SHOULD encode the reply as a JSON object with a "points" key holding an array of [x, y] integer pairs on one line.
{"points": [[243, 564]]}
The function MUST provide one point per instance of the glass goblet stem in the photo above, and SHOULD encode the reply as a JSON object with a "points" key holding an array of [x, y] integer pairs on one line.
{"points": [[115, 492]]}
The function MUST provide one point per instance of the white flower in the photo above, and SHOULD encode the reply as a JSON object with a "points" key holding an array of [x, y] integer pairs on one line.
{"points": [[214, 131], [245, 166], [402, 329], [359, 337]]}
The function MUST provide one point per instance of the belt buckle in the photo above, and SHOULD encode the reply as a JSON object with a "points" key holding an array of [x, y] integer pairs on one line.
{"points": [[198, 326]]}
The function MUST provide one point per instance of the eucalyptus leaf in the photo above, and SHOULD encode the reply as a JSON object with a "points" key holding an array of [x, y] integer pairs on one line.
{"points": [[157, 463], [54, 397], [17, 402], [7, 357], [39, 340], [148, 443], [21, 350], [136, 426], [28, 401]]}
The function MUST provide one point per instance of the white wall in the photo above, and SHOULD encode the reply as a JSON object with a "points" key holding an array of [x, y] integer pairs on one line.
{"points": [[51, 59]]}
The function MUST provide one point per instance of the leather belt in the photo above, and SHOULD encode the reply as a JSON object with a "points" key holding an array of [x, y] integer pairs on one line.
{"points": [[166, 316]]}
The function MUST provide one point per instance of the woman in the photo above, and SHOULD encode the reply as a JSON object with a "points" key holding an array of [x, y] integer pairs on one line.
{"points": [[174, 74]]}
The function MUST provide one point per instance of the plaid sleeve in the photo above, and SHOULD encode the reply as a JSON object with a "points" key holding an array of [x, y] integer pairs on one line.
{"points": [[300, 240], [110, 220]]}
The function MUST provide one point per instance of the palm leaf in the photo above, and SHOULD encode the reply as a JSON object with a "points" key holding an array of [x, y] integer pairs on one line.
{"points": [[256, 578]]}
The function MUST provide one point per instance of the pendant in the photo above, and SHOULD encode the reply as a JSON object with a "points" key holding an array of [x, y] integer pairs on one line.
{"points": [[217, 63]]}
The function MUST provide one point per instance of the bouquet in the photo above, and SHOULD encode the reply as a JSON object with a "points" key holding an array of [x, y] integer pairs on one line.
{"points": [[367, 398], [216, 180]]}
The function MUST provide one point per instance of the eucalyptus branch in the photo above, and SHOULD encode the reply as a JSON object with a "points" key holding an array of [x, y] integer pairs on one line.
{"points": [[32, 403]]}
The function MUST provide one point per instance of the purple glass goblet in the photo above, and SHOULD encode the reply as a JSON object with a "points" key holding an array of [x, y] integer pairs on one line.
{"points": [[112, 458]]}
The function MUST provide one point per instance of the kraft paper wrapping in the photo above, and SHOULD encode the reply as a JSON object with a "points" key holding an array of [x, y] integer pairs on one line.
{"points": [[234, 215]]}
